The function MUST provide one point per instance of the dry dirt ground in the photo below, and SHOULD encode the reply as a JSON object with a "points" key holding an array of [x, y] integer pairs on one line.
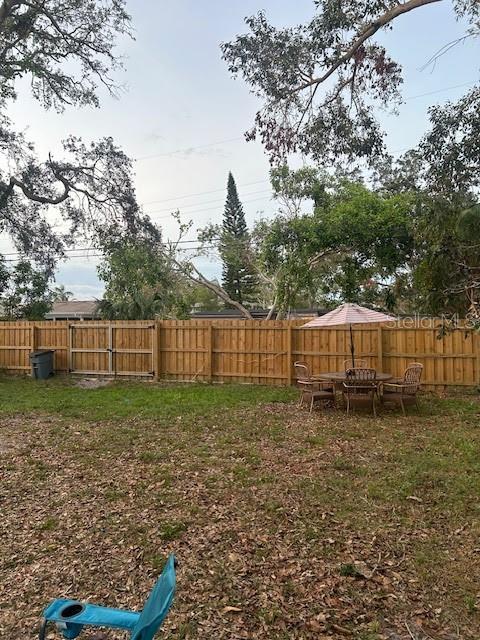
{"points": [[285, 524]]}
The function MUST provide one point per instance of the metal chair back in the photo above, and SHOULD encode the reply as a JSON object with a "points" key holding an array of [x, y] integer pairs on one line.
{"points": [[302, 372], [359, 363]]}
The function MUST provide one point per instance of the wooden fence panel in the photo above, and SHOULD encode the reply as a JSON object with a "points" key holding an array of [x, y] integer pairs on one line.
{"points": [[16, 343], [255, 352]]}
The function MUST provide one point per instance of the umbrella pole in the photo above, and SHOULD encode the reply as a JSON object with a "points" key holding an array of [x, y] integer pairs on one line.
{"points": [[352, 347]]}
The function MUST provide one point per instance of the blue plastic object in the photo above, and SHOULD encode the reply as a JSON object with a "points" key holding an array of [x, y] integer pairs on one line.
{"points": [[71, 616]]}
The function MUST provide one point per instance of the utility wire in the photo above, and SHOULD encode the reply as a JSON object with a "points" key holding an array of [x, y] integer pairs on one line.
{"points": [[188, 149], [431, 93], [196, 204], [202, 193], [101, 255], [86, 249], [187, 213]]}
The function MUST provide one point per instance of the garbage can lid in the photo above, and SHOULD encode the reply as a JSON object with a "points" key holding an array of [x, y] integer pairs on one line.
{"points": [[41, 353]]}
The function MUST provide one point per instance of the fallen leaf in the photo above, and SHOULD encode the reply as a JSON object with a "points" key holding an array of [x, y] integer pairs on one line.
{"points": [[362, 570]]}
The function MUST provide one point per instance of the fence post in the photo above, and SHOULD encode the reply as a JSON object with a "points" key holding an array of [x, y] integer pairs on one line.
{"points": [[476, 337], [33, 338], [155, 350], [380, 348], [289, 354], [209, 353], [157, 360]]}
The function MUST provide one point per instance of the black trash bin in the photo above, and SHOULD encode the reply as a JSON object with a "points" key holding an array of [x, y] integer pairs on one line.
{"points": [[42, 364]]}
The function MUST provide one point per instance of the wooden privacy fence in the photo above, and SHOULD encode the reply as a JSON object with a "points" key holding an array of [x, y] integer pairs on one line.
{"points": [[256, 352]]}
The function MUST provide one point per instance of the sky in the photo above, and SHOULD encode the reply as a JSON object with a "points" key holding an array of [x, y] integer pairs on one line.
{"points": [[182, 116]]}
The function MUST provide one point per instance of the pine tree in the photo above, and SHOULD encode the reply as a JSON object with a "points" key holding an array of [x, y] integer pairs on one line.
{"points": [[238, 277]]}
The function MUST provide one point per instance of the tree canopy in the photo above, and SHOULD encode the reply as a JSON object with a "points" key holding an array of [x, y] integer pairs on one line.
{"points": [[66, 48], [320, 82], [140, 281], [351, 247]]}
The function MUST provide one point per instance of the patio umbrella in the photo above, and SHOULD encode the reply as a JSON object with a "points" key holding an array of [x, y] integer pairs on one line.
{"points": [[348, 314]]}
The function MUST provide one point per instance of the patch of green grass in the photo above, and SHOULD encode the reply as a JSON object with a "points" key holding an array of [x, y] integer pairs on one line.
{"points": [[316, 440], [342, 464], [348, 570], [172, 530], [150, 457], [124, 399], [471, 604], [242, 474], [114, 495], [372, 632], [49, 524]]}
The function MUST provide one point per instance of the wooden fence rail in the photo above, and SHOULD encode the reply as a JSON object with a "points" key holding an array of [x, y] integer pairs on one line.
{"points": [[255, 352]]}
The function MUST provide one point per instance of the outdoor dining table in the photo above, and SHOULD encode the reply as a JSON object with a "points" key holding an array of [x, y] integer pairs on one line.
{"points": [[341, 376]]}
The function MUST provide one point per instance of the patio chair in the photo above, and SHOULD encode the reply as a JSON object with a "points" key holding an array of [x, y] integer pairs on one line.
{"points": [[360, 388], [359, 363], [310, 389], [71, 616], [404, 391]]}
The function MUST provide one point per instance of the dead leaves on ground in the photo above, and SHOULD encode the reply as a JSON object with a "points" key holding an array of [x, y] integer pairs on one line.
{"points": [[255, 508]]}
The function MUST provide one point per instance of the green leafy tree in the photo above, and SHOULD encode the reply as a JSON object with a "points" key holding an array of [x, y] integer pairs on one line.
{"points": [[319, 83], [26, 293], [140, 282], [355, 246], [238, 277], [447, 268], [203, 299], [61, 294], [444, 268], [64, 49]]}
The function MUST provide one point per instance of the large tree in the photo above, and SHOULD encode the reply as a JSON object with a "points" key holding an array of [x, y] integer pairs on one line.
{"points": [[140, 280], [320, 82], [354, 246], [238, 278], [66, 50], [24, 292]]}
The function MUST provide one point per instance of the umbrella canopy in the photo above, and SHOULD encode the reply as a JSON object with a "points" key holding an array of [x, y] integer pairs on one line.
{"points": [[348, 313]]}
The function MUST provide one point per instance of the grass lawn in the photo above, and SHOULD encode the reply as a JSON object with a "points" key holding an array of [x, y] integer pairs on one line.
{"points": [[285, 524]]}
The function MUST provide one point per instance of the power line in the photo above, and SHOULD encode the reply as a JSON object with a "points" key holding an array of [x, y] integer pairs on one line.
{"points": [[86, 249], [237, 139], [431, 93], [196, 204], [188, 149], [207, 209], [202, 193], [101, 255]]}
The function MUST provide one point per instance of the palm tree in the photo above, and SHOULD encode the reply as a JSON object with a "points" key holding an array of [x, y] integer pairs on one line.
{"points": [[60, 294]]}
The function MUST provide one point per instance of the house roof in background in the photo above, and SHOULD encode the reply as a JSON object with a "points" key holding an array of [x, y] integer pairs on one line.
{"points": [[73, 308], [257, 314]]}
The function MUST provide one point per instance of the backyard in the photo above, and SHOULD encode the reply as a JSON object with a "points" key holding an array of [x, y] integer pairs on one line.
{"points": [[285, 524]]}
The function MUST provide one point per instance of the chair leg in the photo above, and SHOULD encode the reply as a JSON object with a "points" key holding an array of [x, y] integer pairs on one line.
{"points": [[311, 404], [403, 407], [43, 630], [300, 402], [348, 405], [373, 406]]}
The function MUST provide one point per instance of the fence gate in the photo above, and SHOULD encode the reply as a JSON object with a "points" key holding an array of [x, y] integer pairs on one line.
{"points": [[112, 349]]}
